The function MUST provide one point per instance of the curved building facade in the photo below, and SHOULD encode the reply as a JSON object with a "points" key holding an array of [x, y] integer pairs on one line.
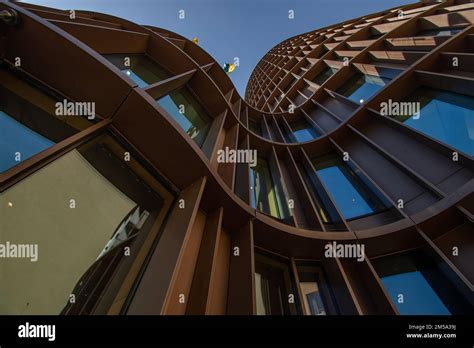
{"points": [[135, 180]]}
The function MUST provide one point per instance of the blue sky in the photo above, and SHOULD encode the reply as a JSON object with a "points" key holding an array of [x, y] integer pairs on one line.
{"points": [[233, 28]]}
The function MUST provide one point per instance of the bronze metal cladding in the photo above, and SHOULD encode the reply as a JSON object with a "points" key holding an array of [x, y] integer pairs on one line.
{"points": [[201, 258]]}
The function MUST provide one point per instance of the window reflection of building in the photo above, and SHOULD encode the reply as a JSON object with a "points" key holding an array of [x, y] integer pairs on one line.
{"points": [[71, 209]]}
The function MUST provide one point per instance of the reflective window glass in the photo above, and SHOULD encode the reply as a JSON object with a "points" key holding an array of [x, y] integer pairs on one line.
{"points": [[445, 116], [32, 120], [360, 87], [139, 67], [190, 115], [348, 188]]}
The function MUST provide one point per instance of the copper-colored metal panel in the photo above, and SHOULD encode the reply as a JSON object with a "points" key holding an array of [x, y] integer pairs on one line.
{"points": [[205, 265], [241, 291], [109, 88], [203, 261], [178, 297], [105, 40], [227, 170], [219, 282]]}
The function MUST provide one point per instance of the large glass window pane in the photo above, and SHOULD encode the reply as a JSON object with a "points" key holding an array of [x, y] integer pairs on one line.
{"points": [[272, 286], [302, 131], [74, 212], [326, 209], [361, 87], [264, 195], [315, 291], [347, 188], [29, 121], [312, 298], [267, 195], [18, 142], [417, 287], [139, 67], [189, 114], [445, 116], [262, 295]]}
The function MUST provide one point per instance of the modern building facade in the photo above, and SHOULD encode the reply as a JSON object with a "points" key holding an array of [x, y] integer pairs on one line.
{"points": [[341, 184]]}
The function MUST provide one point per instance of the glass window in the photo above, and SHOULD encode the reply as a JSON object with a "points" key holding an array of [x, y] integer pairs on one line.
{"points": [[30, 121], [440, 32], [266, 194], [312, 298], [255, 127], [445, 116], [348, 188], [299, 99], [289, 85], [324, 75], [261, 289], [361, 87], [190, 115], [303, 131], [18, 143], [141, 69], [272, 286], [326, 210], [73, 212], [417, 287]]}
